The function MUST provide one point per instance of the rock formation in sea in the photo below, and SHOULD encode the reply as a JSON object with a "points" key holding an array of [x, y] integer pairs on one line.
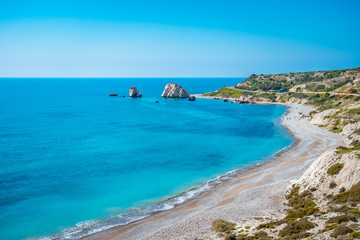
{"points": [[173, 90], [191, 98], [133, 92], [113, 94]]}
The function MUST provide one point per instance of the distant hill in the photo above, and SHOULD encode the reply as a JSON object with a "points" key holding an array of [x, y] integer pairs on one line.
{"points": [[321, 81]]}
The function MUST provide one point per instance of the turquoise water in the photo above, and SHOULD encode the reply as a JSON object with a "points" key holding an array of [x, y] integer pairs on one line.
{"points": [[69, 153]]}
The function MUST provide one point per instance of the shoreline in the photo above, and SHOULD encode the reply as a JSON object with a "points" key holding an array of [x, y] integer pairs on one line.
{"points": [[212, 183], [152, 226]]}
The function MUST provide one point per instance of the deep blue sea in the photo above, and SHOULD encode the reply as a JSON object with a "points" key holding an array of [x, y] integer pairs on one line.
{"points": [[71, 156]]}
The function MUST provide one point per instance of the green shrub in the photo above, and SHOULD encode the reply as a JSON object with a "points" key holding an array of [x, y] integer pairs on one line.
{"points": [[221, 225], [341, 231], [335, 169], [261, 235], [341, 219], [294, 192], [297, 227], [230, 237], [329, 228], [332, 185], [355, 235], [270, 224], [342, 149], [350, 196], [341, 190], [354, 111], [302, 204]]}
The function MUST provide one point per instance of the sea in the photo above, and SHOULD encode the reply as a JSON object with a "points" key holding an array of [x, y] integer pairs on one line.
{"points": [[74, 161]]}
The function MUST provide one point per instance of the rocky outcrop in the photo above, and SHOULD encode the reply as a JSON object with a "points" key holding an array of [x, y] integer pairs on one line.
{"points": [[113, 94], [352, 131], [317, 176], [322, 118], [133, 92], [191, 98], [173, 90]]}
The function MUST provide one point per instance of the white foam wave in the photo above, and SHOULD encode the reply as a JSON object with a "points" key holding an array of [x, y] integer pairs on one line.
{"points": [[85, 228]]}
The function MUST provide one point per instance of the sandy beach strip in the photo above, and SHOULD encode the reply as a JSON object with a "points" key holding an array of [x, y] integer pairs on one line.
{"points": [[256, 192]]}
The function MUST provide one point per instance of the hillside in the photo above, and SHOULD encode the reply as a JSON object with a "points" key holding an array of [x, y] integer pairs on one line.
{"points": [[344, 81], [338, 92], [325, 202]]}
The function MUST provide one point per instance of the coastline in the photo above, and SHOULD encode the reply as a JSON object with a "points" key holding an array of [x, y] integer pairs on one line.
{"points": [[193, 217]]}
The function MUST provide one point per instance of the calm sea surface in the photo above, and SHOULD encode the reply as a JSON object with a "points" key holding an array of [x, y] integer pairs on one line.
{"points": [[69, 153]]}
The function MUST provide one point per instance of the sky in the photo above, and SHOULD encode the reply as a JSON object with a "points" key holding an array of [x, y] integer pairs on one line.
{"points": [[197, 38]]}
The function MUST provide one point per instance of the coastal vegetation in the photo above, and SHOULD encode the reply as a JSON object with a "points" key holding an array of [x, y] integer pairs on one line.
{"points": [[226, 92], [352, 196], [335, 169], [221, 225], [319, 81], [297, 229]]}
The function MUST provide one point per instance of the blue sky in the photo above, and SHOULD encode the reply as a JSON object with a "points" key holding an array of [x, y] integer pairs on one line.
{"points": [[176, 38]]}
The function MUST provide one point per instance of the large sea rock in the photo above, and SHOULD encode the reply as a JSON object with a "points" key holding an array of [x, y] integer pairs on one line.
{"points": [[173, 90], [133, 92]]}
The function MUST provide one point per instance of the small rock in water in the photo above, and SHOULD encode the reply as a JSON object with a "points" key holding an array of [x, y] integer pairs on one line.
{"points": [[157, 101], [133, 92], [225, 100], [191, 98], [113, 94]]}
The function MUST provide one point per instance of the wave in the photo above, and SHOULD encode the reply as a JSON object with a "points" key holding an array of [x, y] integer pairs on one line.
{"points": [[86, 228]]}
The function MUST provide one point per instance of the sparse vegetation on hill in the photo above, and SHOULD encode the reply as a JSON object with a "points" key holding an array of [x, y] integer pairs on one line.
{"points": [[320, 81]]}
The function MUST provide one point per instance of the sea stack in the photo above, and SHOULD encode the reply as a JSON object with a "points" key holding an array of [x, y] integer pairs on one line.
{"points": [[133, 92], [173, 90]]}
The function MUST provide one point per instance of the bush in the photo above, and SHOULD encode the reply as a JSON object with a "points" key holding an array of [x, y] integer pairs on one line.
{"points": [[342, 149], [302, 204], [261, 235], [351, 196], [270, 224], [297, 227], [335, 169], [341, 219], [329, 228], [230, 237], [355, 235], [354, 111], [341, 231], [221, 225], [332, 185]]}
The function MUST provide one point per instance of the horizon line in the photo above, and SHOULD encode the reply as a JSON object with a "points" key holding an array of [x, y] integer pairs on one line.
{"points": [[117, 77]]}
